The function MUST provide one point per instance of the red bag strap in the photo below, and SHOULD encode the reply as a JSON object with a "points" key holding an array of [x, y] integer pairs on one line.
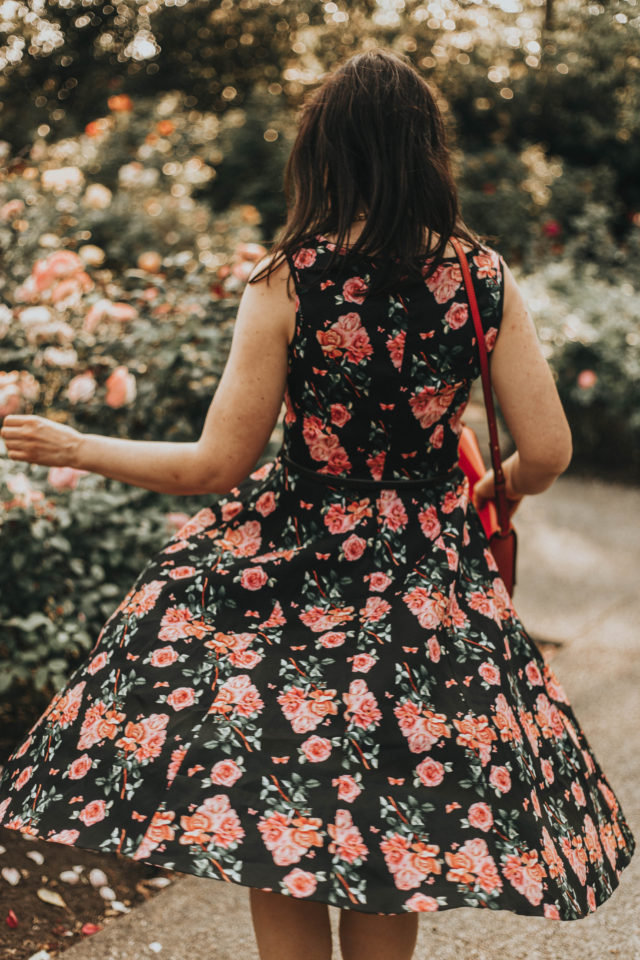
{"points": [[498, 473]]}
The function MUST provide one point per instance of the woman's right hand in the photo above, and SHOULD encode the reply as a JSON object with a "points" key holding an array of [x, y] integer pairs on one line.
{"points": [[484, 489]]}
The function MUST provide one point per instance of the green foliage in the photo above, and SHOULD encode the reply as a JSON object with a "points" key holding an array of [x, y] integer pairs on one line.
{"points": [[69, 557], [589, 332]]}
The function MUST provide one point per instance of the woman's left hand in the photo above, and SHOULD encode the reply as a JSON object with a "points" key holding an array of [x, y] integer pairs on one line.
{"points": [[35, 439]]}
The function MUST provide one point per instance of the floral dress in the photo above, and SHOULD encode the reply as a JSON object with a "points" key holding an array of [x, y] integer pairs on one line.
{"points": [[320, 686]]}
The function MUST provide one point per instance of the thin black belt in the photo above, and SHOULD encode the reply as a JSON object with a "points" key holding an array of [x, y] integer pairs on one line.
{"points": [[331, 480]]}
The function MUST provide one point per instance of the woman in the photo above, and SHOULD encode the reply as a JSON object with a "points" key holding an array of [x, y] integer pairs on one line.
{"points": [[319, 688]]}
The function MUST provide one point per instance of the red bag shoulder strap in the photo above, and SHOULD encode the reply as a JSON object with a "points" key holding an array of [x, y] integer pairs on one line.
{"points": [[500, 483]]}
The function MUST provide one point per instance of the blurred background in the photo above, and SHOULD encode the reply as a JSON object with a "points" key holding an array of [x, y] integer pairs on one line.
{"points": [[142, 147]]}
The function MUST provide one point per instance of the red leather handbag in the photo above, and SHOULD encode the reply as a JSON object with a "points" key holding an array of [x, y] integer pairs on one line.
{"points": [[494, 516]]}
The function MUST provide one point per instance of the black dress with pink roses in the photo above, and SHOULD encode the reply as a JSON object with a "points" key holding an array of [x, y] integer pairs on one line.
{"points": [[320, 686]]}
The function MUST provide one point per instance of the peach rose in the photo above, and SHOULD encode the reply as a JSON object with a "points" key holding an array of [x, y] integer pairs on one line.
{"points": [[300, 883], [316, 748], [93, 812], [253, 579], [225, 773], [480, 816], [181, 697]]}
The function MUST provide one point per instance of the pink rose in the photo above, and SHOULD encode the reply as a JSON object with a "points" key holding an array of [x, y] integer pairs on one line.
{"points": [[419, 901], [332, 639], [355, 290], [304, 258], [480, 816], [225, 773], [300, 883], [430, 771], [253, 578], [24, 776], [121, 387], [436, 438], [179, 573], [456, 315], [93, 812], [379, 581], [316, 748], [163, 657], [434, 649], [80, 767], [97, 663], [429, 523], [266, 503], [181, 697], [500, 778], [354, 547], [348, 789], [489, 672], [339, 414], [362, 662], [532, 671]]}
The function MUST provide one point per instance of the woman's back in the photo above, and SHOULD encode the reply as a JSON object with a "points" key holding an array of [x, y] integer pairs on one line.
{"points": [[377, 384]]}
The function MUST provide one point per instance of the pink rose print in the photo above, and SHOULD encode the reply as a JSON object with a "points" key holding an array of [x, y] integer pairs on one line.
{"points": [[300, 883], [304, 258], [266, 503], [480, 816], [93, 812], [347, 842], [346, 338], [445, 281], [253, 579], [355, 290], [353, 547], [362, 707], [348, 789], [333, 638], [429, 522], [378, 581], [316, 749], [421, 902], [339, 414], [225, 773], [456, 315], [80, 767], [362, 662], [181, 697], [500, 778], [430, 771], [436, 437], [431, 403], [395, 346]]}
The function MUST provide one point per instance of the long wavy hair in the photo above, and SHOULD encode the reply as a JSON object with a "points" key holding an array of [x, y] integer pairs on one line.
{"points": [[371, 139]]}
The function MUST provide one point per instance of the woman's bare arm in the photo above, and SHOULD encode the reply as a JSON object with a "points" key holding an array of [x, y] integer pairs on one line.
{"points": [[529, 401]]}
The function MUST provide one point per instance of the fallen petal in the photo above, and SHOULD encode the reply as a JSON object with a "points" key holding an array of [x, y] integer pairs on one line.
{"points": [[50, 896], [11, 875], [155, 946], [89, 928], [119, 906], [12, 920], [158, 882], [98, 878]]}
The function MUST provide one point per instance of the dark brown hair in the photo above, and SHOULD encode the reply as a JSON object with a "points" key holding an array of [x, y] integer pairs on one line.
{"points": [[371, 138]]}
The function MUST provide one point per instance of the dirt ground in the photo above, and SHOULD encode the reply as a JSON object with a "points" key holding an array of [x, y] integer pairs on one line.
{"points": [[29, 923]]}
